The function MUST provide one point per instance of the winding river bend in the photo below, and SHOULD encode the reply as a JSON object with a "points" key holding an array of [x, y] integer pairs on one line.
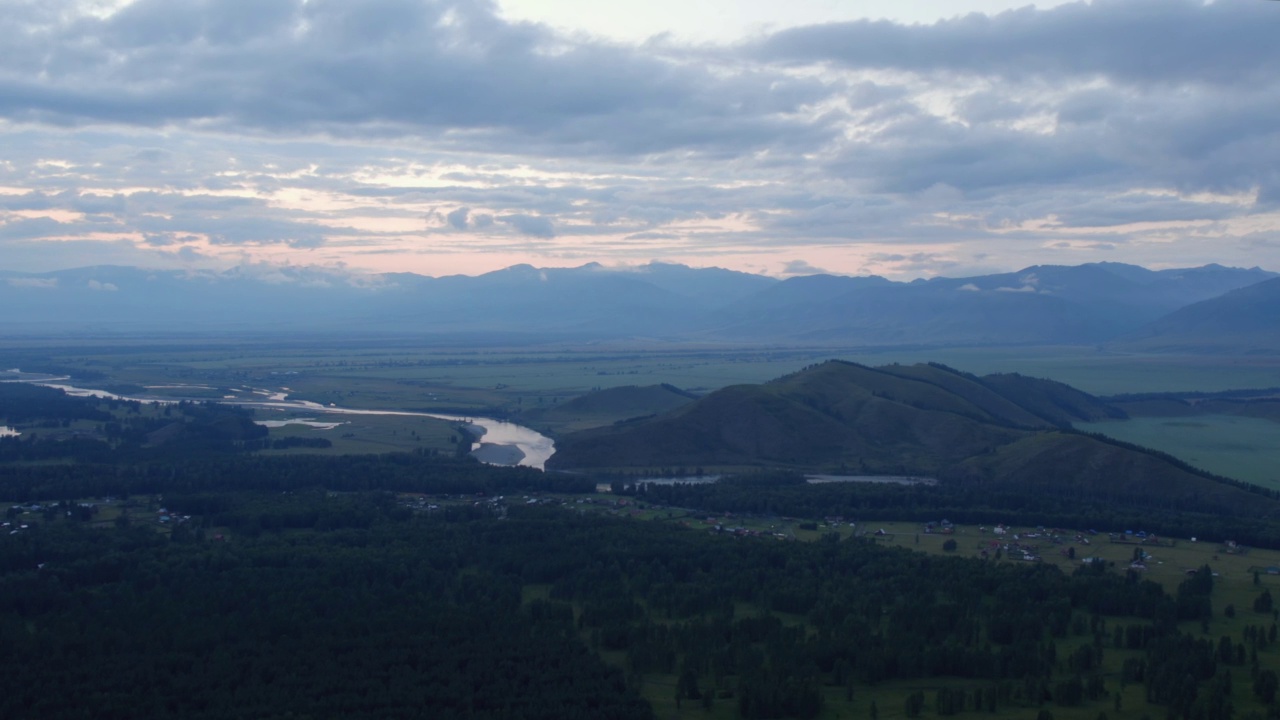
{"points": [[500, 442]]}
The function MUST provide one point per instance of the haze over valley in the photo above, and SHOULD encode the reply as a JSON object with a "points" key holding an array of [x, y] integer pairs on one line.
{"points": [[566, 360], [1210, 308]]}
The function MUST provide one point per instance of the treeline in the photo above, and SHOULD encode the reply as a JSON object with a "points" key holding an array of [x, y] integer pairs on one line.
{"points": [[1240, 394], [121, 428], [781, 494], [22, 402], [292, 441], [416, 472]]}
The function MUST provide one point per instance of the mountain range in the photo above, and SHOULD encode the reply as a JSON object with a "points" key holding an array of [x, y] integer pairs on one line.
{"points": [[1093, 303]]}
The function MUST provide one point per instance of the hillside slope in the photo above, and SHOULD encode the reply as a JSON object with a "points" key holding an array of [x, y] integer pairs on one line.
{"points": [[606, 407], [997, 434], [1075, 467], [830, 415]]}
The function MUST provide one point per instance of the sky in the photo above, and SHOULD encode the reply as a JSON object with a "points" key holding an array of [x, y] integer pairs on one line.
{"points": [[939, 137]]}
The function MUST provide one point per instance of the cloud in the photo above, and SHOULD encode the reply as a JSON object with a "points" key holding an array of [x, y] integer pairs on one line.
{"points": [[204, 133], [800, 267], [1129, 41], [530, 225], [104, 287], [458, 218], [454, 72], [46, 283]]}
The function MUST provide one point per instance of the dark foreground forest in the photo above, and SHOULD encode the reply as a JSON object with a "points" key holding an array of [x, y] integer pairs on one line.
{"points": [[227, 584], [471, 611]]}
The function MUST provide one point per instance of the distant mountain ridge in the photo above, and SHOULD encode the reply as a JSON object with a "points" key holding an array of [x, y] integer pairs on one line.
{"points": [[1093, 303], [1247, 318]]}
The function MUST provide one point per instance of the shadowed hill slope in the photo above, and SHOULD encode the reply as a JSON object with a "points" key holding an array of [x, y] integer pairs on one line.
{"points": [[997, 433], [606, 407], [1076, 467], [834, 414]]}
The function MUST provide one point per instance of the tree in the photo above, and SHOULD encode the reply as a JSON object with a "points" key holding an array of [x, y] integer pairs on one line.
{"points": [[949, 545], [915, 704], [1265, 686]]}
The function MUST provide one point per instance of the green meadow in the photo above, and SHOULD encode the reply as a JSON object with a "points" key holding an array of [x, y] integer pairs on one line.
{"points": [[1237, 447], [361, 434], [396, 375]]}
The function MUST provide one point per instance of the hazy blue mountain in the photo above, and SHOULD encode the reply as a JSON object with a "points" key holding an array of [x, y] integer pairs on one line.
{"points": [[1246, 320], [707, 287], [922, 314], [1134, 293], [111, 298], [523, 298], [1040, 304]]}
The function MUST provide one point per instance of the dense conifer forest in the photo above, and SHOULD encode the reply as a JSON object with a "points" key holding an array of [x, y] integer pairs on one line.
{"points": [[400, 586]]}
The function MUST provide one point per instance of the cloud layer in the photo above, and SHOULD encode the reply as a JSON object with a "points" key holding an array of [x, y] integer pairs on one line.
{"points": [[439, 137]]}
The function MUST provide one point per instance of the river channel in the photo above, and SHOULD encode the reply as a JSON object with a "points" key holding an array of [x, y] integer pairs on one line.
{"points": [[500, 442]]}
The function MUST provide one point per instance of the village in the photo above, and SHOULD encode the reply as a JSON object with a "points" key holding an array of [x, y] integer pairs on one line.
{"points": [[1164, 559]]}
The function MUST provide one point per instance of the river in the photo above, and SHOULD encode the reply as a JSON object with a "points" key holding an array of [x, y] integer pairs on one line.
{"points": [[500, 442]]}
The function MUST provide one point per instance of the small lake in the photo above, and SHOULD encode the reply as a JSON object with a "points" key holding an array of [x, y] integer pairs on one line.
{"points": [[687, 480], [309, 422], [884, 479], [811, 479]]}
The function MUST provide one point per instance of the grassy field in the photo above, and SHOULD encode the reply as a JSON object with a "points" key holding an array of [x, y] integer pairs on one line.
{"points": [[361, 434], [1243, 448], [329, 369]]}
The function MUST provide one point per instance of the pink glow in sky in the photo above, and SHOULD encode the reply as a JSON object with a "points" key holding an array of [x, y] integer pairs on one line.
{"points": [[466, 136]]}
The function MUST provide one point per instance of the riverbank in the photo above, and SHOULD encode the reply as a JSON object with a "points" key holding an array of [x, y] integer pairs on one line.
{"points": [[508, 443], [495, 454]]}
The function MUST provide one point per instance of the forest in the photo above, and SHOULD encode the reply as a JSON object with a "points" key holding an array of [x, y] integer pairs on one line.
{"points": [[401, 585]]}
